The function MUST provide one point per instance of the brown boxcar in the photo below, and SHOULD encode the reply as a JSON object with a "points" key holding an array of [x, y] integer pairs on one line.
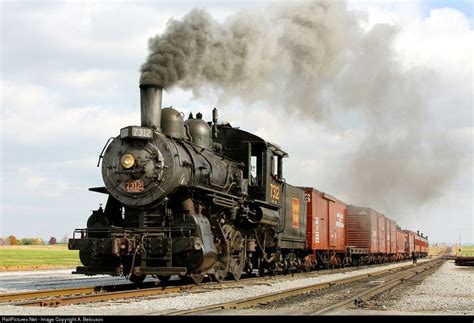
{"points": [[409, 241], [400, 242], [362, 228], [388, 238], [326, 221], [382, 234], [393, 237]]}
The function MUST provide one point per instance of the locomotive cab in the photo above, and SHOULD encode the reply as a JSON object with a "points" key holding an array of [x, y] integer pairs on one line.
{"points": [[268, 189], [263, 161], [275, 172]]}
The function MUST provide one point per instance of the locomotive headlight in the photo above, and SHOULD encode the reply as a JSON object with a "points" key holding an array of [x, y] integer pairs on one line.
{"points": [[127, 161]]}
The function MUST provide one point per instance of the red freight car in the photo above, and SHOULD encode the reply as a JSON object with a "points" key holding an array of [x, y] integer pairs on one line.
{"points": [[326, 227], [388, 240], [393, 237], [409, 242], [382, 234], [391, 234], [421, 245], [400, 244], [364, 234]]}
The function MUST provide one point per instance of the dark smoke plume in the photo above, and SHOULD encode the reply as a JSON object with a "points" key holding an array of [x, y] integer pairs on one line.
{"points": [[315, 59]]}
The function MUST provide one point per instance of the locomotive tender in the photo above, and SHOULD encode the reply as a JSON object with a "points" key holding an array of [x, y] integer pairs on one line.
{"points": [[195, 198]]}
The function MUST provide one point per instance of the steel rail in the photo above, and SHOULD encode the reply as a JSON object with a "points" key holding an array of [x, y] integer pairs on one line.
{"points": [[59, 292], [10, 297], [272, 297], [62, 292], [103, 296]]}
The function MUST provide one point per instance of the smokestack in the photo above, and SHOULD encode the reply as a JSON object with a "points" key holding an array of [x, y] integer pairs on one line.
{"points": [[150, 105]]}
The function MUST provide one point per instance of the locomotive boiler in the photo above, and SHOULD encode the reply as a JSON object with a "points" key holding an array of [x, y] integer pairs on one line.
{"points": [[191, 198]]}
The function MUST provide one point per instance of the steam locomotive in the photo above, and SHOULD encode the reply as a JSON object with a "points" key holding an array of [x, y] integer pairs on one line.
{"points": [[195, 198]]}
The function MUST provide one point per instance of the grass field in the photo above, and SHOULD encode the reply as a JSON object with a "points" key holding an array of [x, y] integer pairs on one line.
{"points": [[37, 257], [436, 250], [467, 251]]}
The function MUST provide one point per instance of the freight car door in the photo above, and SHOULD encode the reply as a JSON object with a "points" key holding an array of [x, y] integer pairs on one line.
{"points": [[388, 241], [332, 224], [332, 220], [393, 237], [381, 234]]}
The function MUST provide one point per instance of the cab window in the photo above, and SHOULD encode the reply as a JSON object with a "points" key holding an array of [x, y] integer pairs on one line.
{"points": [[255, 169], [276, 167]]}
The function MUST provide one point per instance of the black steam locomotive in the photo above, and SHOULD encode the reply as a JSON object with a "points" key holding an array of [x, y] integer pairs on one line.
{"points": [[191, 198]]}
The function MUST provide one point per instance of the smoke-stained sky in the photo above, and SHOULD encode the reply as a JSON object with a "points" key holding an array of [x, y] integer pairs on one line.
{"points": [[398, 92]]}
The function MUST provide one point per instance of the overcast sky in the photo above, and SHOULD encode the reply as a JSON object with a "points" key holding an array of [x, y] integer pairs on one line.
{"points": [[69, 81]]}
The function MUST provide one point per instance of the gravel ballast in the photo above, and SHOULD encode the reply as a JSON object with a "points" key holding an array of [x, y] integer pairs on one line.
{"points": [[449, 290]]}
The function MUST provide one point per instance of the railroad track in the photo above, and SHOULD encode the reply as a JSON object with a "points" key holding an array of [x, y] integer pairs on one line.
{"points": [[403, 273], [366, 294], [79, 295], [52, 296]]}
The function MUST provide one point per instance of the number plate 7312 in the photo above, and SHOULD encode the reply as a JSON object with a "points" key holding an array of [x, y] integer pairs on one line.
{"points": [[134, 186]]}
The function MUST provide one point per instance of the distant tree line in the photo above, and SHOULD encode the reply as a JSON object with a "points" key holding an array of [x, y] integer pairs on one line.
{"points": [[12, 240]]}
